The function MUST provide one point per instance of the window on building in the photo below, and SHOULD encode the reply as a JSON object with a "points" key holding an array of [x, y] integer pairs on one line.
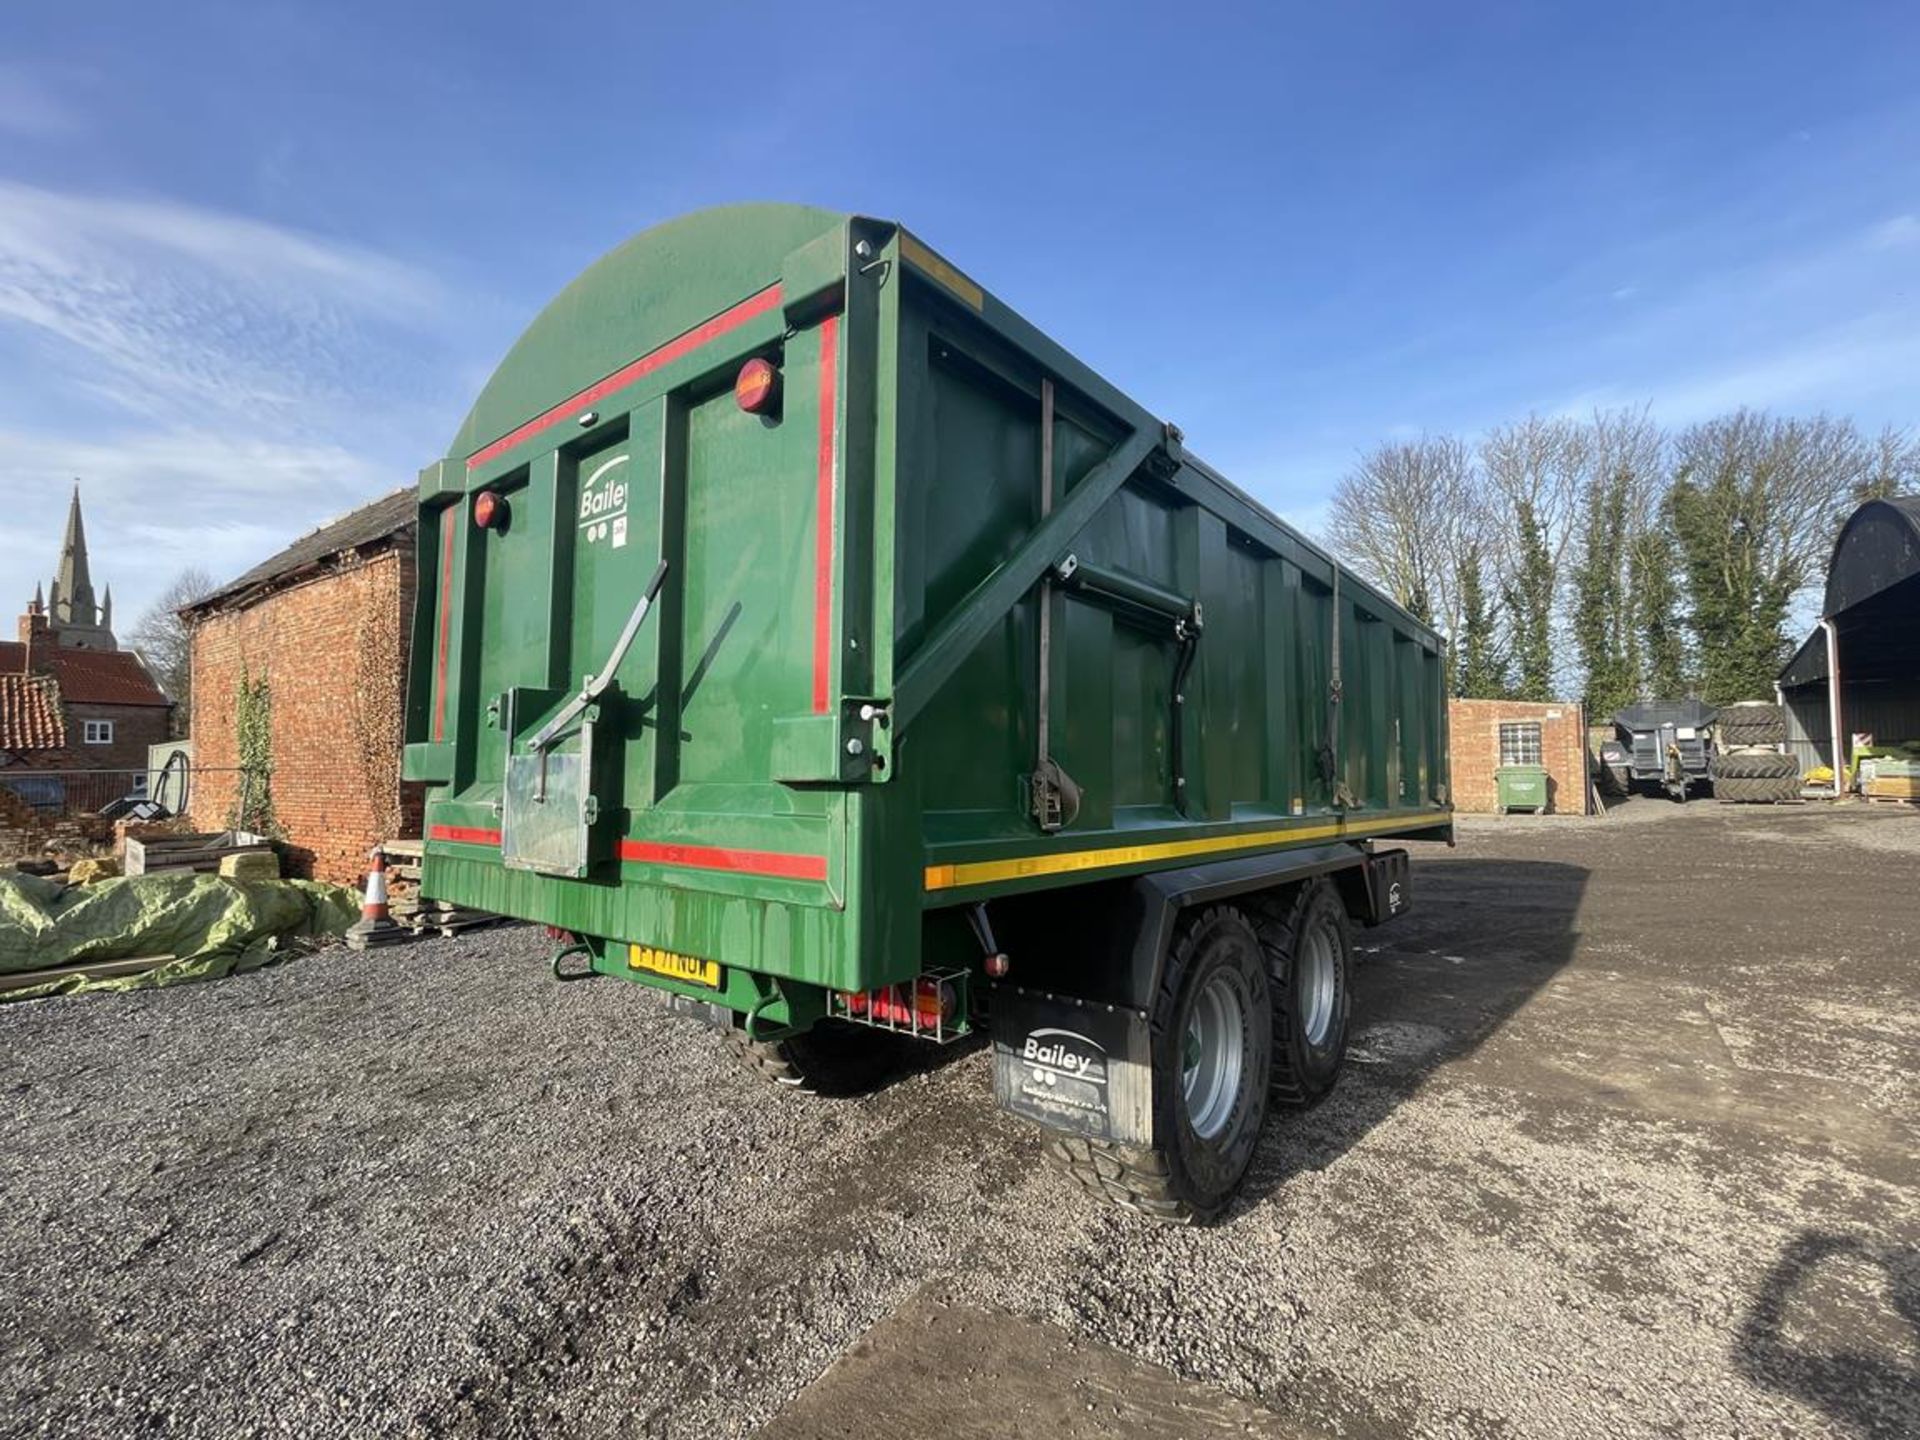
{"points": [[1520, 742], [97, 732]]}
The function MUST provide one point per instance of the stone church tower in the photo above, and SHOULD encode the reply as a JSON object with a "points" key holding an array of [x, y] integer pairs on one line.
{"points": [[74, 618]]}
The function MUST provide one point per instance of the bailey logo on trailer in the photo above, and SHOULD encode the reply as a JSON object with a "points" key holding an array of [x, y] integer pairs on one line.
{"points": [[1056, 1055], [603, 505]]}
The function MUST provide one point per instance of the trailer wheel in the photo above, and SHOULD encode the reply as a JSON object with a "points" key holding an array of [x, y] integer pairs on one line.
{"points": [[1310, 958], [1212, 1036], [829, 1059]]}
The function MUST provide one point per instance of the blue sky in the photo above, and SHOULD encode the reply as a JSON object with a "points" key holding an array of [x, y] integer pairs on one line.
{"points": [[256, 258]]}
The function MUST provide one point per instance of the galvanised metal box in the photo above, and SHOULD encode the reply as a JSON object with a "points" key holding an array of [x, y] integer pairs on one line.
{"points": [[944, 617]]}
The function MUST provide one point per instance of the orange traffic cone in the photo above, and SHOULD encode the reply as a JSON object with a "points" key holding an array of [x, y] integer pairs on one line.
{"points": [[375, 925]]}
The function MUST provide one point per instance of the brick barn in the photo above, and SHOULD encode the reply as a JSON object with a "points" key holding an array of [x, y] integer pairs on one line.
{"points": [[325, 624], [1486, 734]]}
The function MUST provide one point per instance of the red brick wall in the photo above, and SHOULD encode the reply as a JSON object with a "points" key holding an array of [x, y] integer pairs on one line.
{"points": [[333, 651], [1474, 751]]}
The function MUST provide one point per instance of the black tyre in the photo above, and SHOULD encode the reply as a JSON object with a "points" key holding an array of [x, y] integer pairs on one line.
{"points": [[1310, 962], [1211, 1036], [1750, 723], [829, 1059], [1754, 765], [1736, 790], [1735, 739]]}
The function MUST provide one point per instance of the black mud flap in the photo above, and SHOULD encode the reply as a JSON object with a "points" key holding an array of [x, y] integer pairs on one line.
{"points": [[1074, 1066], [1389, 885]]}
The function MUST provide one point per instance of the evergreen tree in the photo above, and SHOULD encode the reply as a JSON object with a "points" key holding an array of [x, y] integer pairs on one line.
{"points": [[1530, 599], [1655, 603], [1603, 629], [1739, 612], [1479, 668]]}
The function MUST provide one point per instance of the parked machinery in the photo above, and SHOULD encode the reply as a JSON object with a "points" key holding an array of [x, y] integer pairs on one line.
{"points": [[1749, 767], [1668, 745]]}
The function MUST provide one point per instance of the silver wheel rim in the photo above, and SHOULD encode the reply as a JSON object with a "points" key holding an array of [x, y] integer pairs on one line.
{"points": [[1214, 1056], [1317, 970]]}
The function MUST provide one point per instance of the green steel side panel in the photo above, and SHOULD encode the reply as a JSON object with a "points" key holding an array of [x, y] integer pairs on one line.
{"points": [[759, 801]]}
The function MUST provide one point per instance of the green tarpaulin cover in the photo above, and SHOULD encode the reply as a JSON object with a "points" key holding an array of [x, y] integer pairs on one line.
{"points": [[210, 925]]}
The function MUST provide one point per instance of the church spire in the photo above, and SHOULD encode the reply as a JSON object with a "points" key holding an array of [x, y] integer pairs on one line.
{"points": [[73, 602], [71, 616]]}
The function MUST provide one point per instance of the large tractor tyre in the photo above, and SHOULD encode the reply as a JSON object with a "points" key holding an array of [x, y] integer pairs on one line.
{"points": [[1752, 722], [1757, 791], [1736, 737], [831, 1059], [1310, 961], [1754, 765], [1211, 1040]]}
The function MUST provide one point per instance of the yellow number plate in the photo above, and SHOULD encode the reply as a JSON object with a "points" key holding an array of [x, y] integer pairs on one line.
{"points": [[675, 967]]}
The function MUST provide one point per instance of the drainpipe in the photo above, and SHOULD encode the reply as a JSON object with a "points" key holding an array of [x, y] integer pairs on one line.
{"points": [[1833, 705]]}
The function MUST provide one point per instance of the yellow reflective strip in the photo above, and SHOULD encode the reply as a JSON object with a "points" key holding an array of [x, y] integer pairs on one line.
{"points": [[932, 266], [985, 872]]}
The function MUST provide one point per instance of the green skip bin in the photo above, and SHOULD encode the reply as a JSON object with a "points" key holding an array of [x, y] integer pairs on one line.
{"points": [[1521, 787]]}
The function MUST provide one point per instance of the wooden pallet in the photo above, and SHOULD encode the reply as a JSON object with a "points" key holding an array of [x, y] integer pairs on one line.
{"points": [[438, 917]]}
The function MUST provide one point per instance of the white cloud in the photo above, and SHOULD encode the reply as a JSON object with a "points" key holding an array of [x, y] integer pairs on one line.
{"points": [[219, 384], [1900, 230], [166, 308], [159, 501]]}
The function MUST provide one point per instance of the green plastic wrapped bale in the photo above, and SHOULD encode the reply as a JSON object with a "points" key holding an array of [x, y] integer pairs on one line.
{"points": [[210, 925]]}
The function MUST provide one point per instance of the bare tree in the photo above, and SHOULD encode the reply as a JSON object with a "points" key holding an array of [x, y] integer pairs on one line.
{"points": [[165, 643], [1404, 516], [1893, 466], [1543, 464]]}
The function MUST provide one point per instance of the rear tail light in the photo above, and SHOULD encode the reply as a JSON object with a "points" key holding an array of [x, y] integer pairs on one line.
{"points": [[489, 511], [931, 1006], [756, 389]]}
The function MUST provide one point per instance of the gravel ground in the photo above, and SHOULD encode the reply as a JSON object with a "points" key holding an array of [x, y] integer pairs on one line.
{"points": [[1627, 1148]]}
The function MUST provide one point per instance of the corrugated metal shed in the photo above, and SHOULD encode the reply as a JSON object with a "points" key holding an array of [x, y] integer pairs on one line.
{"points": [[1872, 603]]}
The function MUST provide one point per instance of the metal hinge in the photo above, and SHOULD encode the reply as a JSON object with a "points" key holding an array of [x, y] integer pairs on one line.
{"points": [[1053, 796]]}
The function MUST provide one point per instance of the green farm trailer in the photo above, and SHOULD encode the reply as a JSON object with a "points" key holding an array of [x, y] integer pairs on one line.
{"points": [[803, 633]]}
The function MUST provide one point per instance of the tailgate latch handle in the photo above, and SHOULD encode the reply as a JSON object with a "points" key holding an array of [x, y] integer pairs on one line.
{"points": [[594, 685]]}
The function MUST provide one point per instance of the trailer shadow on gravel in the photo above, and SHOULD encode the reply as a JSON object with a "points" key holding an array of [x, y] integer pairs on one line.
{"points": [[1483, 938], [1854, 1372]]}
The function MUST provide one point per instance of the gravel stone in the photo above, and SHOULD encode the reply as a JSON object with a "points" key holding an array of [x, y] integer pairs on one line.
{"points": [[1626, 1148]]}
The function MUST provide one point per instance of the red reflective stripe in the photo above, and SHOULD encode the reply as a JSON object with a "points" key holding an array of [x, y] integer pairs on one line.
{"points": [[680, 345], [707, 857], [464, 834], [823, 517], [446, 612]]}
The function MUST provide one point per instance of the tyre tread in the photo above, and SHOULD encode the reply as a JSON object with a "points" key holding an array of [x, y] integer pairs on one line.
{"points": [[1141, 1180]]}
